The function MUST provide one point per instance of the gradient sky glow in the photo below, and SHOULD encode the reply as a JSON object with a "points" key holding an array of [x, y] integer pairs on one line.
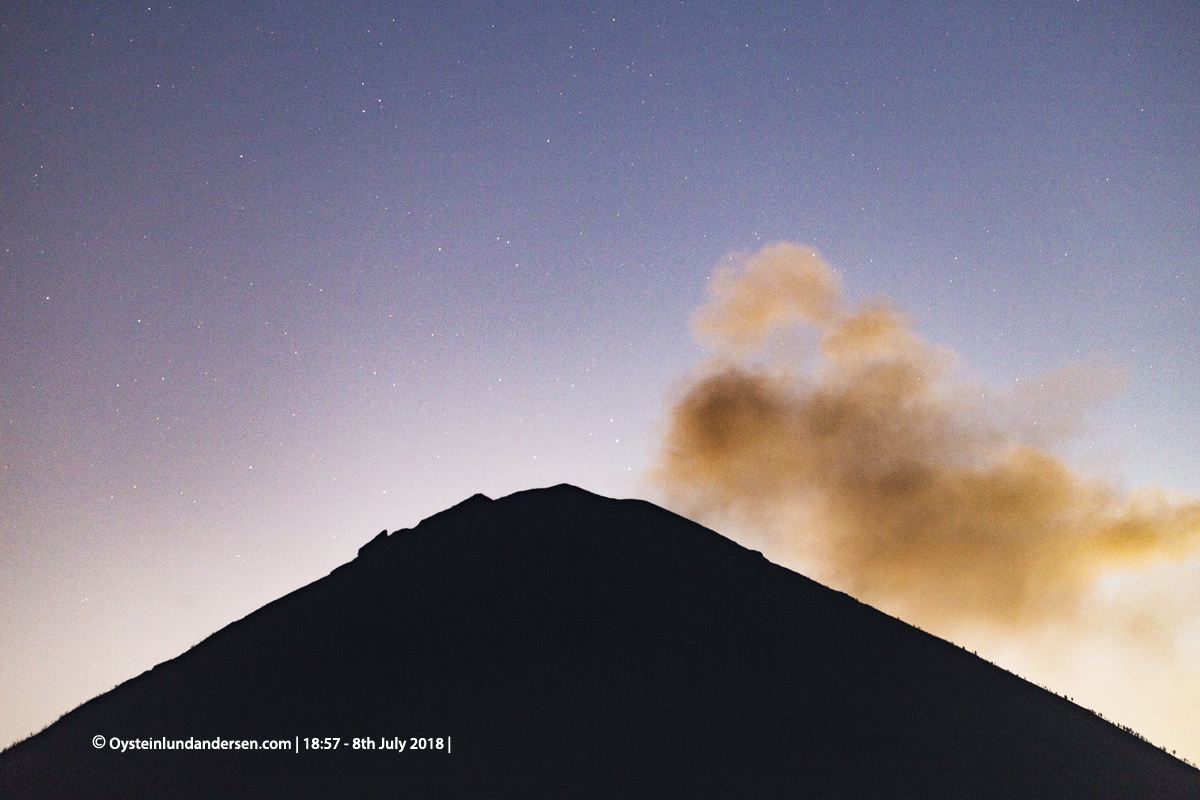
{"points": [[276, 277]]}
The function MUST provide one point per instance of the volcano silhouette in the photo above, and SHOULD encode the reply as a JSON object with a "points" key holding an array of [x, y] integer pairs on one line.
{"points": [[559, 644]]}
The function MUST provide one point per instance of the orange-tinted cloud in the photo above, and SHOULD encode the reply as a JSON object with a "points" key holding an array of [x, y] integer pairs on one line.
{"points": [[905, 485]]}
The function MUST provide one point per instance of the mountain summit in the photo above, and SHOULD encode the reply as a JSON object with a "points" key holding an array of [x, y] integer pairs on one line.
{"points": [[559, 644]]}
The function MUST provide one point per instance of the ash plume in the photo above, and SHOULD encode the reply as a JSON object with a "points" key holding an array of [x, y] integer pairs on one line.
{"points": [[901, 482]]}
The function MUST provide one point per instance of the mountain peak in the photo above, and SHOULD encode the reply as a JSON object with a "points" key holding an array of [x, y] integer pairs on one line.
{"points": [[565, 644]]}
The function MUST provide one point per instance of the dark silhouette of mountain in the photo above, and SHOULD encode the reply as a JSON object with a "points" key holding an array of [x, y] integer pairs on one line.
{"points": [[566, 645]]}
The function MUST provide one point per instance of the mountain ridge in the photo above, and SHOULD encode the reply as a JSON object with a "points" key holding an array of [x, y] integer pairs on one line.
{"points": [[576, 646]]}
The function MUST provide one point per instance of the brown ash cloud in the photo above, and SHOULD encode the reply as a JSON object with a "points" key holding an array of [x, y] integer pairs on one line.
{"points": [[903, 483]]}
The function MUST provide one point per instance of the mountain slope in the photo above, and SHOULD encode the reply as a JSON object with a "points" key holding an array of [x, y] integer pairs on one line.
{"points": [[567, 645]]}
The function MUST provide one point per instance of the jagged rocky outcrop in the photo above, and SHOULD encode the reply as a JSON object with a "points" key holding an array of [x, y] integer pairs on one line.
{"points": [[568, 645]]}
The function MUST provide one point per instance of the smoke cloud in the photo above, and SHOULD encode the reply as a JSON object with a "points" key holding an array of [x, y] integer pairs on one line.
{"points": [[849, 438]]}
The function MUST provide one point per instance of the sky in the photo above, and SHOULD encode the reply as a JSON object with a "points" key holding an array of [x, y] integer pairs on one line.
{"points": [[275, 277]]}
